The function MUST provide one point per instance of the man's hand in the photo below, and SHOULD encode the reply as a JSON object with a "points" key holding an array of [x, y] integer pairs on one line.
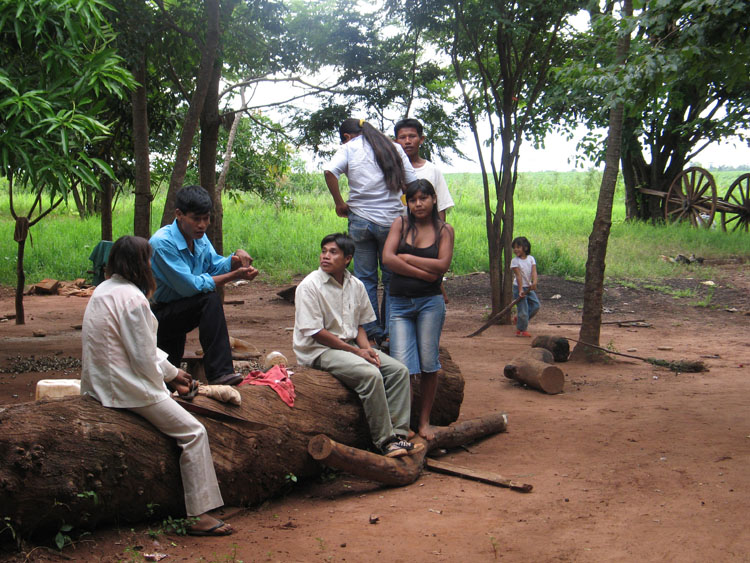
{"points": [[342, 209], [182, 382], [245, 273], [370, 355], [241, 259]]}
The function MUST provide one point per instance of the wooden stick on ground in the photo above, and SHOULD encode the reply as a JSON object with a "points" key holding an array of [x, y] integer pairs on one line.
{"points": [[493, 319], [679, 365], [603, 322], [476, 475]]}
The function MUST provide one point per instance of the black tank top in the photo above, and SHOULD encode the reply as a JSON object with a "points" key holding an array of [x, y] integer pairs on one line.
{"points": [[406, 286]]}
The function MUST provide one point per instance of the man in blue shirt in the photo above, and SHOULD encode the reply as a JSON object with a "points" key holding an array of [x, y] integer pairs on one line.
{"points": [[188, 270]]}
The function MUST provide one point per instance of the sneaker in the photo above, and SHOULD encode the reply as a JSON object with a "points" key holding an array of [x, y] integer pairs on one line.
{"points": [[401, 447], [523, 333]]}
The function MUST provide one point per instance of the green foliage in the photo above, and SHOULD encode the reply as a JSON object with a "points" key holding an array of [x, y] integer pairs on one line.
{"points": [[707, 300], [57, 65], [62, 538], [178, 526], [7, 523], [261, 161], [89, 495], [551, 211]]}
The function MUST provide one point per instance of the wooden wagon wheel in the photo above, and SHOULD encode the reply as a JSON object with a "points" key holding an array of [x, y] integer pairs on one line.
{"points": [[691, 197], [738, 218]]}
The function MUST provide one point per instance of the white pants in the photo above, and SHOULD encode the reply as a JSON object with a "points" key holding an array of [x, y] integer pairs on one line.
{"points": [[196, 465]]}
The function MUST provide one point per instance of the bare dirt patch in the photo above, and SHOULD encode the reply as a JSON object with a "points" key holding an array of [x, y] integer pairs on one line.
{"points": [[632, 462]]}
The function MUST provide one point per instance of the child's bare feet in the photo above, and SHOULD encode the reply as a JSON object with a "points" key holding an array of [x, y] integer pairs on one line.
{"points": [[427, 432]]}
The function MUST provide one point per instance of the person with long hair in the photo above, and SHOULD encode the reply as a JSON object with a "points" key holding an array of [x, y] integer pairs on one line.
{"points": [[123, 368], [419, 250], [378, 171]]}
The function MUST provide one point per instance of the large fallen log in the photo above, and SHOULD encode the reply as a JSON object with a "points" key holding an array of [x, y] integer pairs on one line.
{"points": [[73, 462]]}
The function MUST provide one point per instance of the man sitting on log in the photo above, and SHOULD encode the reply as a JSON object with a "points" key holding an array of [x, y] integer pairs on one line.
{"points": [[188, 270], [331, 305]]}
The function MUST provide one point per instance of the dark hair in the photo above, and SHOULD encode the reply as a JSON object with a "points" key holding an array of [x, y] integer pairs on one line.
{"points": [[411, 123], [194, 199], [523, 242], [424, 187], [129, 258], [386, 153], [342, 240]]}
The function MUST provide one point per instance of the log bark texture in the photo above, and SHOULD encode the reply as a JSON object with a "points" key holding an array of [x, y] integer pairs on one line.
{"points": [[535, 372], [72, 461]]}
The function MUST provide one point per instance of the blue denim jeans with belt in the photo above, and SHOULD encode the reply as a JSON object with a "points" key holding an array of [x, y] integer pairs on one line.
{"points": [[369, 239]]}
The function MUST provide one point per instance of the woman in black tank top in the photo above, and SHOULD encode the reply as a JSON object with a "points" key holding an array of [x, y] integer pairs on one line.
{"points": [[418, 251]]}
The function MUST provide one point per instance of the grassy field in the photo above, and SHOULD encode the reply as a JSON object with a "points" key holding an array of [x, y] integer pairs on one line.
{"points": [[554, 210]]}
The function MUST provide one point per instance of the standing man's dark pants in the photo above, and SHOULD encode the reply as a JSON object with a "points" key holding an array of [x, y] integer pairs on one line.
{"points": [[206, 312]]}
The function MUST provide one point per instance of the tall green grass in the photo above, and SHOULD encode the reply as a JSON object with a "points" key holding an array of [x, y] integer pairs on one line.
{"points": [[554, 210]]}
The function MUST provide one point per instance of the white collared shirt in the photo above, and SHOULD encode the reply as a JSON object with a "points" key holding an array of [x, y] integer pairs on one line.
{"points": [[320, 302], [122, 367]]}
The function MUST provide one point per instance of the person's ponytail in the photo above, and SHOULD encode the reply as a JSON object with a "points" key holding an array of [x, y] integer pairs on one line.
{"points": [[386, 154]]}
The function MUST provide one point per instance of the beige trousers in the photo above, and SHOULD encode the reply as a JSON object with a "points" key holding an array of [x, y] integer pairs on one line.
{"points": [[196, 465]]}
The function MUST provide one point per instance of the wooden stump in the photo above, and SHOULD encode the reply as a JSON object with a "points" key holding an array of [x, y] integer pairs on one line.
{"points": [[72, 461], [558, 345], [535, 372]]}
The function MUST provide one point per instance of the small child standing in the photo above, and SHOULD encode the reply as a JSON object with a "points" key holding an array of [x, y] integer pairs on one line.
{"points": [[523, 267]]}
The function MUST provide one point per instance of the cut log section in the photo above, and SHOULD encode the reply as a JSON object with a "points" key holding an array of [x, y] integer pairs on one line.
{"points": [[71, 461], [536, 373], [402, 470], [558, 345]]}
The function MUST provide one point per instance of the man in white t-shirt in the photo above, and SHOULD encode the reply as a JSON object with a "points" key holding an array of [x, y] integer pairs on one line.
{"points": [[410, 135]]}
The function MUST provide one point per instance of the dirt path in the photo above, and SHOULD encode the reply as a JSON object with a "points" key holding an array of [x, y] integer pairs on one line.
{"points": [[631, 463]]}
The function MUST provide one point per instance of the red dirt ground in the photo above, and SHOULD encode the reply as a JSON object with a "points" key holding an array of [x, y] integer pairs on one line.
{"points": [[631, 463]]}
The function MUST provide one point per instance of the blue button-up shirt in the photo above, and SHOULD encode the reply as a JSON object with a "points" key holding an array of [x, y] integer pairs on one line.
{"points": [[180, 273]]}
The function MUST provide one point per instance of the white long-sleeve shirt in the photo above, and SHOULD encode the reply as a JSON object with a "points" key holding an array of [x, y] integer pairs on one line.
{"points": [[122, 367]]}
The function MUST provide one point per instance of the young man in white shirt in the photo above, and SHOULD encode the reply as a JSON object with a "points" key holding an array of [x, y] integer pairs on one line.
{"points": [[410, 135], [331, 307]]}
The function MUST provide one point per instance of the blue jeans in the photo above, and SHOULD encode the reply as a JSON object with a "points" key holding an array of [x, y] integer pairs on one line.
{"points": [[526, 308], [369, 239], [416, 324]]}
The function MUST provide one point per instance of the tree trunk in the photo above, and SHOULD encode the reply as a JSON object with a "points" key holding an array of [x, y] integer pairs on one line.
{"points": [[21, 232], [72, 461], [106, 201], [78, 201], [597, 250], [209, 142], [205, 73], [139, 98]]}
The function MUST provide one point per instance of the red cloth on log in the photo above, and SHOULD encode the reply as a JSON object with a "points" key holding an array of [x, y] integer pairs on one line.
{"points": [[277, 378]]}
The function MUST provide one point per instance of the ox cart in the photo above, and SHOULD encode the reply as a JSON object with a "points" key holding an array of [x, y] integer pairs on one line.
{"points": [[692, 197]]}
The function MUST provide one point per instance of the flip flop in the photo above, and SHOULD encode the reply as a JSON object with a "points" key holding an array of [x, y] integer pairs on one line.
{"points": [[214, 531]]}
